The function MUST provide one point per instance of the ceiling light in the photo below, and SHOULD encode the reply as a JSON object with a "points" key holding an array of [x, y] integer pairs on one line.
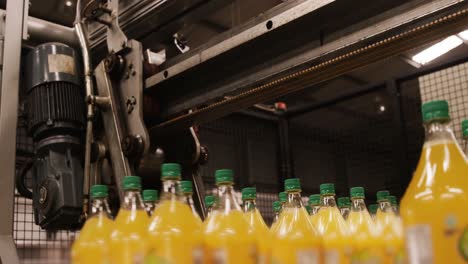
{"points": [[68, 3], [382, 108], [437, 50]]}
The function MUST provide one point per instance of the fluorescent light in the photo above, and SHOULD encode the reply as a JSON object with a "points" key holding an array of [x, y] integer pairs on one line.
{"points": [[437, 50], [68, 3], [463, 35]]}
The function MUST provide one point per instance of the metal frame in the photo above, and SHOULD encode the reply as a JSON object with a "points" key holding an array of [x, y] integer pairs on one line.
{"points": [[8, 122]]}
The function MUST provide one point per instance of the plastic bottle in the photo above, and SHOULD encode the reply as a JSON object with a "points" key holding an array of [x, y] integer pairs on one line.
{"points": [[228, 237], [344, 203], [314, 203], [373, 210], [128, 240], [276, 210], [295, 240], [433, 208], [394, 203], [333, 228], [366, 248], [175, 234], [390, 231], [209, 203], [92, 244], [187, 192], [464, 126], [283, 198], [150, 198], [255, 220]]}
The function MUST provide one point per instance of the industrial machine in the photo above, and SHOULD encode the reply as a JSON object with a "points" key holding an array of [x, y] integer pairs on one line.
{"points": [[124, 89]]}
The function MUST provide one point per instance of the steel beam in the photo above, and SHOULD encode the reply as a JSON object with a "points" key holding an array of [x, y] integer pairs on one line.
{"points": [[8, 123]]}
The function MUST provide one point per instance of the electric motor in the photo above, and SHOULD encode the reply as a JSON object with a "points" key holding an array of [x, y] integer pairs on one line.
{"points": [[56, 120]]}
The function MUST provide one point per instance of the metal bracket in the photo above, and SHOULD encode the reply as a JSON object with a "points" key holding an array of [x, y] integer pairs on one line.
{"points": [[116, 39]]}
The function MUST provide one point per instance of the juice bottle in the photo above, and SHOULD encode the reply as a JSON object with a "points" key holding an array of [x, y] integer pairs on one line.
{"points": [[283, 198], [344, 203], [314, 203], [295, 240], [255, 220], [332, 226], [228, 237], [464, 126], [187, 192], [366, 248], [209, 202], [390, 231], [308, 209], [150, 198], [394, 203], [373, 210], [276, 210], [128, 243], [433, 208], [174, 234], [92, 243]]}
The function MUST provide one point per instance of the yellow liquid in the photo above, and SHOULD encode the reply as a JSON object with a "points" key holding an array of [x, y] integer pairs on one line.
{"points": [[295, 240], [366, 247], [128, 240], [433, 208], [262, 235], [391, 236], [175, 234], [335, 235], [228, 239], [92, 244]]}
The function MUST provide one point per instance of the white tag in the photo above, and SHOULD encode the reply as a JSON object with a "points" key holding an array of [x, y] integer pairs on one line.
{"points": [[332, 257], [307, 256], [419, 244]]}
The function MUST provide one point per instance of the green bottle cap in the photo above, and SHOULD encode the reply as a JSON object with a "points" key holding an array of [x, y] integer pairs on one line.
{"points": [[382, 195], [209, 200], [314, 199], [373, 208], [276, 206], [170, 171], [344, 202], [99, 191], [464, 126], [435, 110], [249, 193], [293, 184], [283, 197], [327, 189], [186, 186], [224, 176], [393, 200], [357, 192], [131, 182], [150, 195]]}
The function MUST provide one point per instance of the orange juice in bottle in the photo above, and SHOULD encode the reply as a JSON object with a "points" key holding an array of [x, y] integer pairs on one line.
{"points": [[295, 240], [390, 230], [314, 203], [433, 208], [150, 199], [187, 193], [228, 236], [394, 203], [276, 209], [92, 244], [333, 228], [344, 203], [174, 233], [258, 226], [128, 239], [366, 247]]}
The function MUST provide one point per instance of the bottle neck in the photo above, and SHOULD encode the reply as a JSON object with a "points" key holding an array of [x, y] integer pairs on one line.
{"points": [[149, 207], [189, 201], [439, 131], [132, 200], [249, 205], [358, 205], [294, 200], [327, 200], [385, 206], [315, 209], [100, 206], [227, 200], [170, 188]]}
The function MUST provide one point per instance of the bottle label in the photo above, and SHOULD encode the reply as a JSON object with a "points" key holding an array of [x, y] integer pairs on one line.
{"points": [[197, 255], [332, 256], [419, 244], [307, 256]]}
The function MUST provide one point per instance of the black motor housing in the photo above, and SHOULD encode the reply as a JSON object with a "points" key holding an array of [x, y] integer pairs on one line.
{"points": [[56, 120]]}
